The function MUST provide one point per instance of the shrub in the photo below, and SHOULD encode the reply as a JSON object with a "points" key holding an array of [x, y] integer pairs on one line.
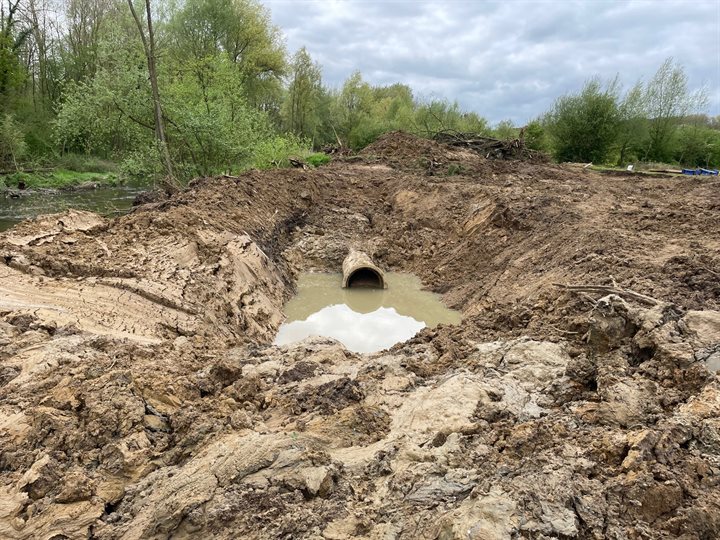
{"points": [[141, 165], [276, 151], [317, 159], [85, 163], [584, 125]]}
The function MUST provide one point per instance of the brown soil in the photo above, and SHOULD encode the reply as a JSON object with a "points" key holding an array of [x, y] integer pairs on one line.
{"points": [[140, 396]]}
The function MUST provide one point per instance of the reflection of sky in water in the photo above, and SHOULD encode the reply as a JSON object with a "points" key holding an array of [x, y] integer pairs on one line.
{"points": [[364, 320], [359, 332]]}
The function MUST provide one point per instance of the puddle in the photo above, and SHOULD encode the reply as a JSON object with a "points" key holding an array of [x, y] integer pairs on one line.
{"points": [[364, 320]]}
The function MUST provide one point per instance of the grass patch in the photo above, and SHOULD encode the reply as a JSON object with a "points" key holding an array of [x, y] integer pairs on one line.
{"points": [[317, 159], [85, 164]]}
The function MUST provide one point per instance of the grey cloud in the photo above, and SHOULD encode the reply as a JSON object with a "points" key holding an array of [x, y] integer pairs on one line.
{"points": [[504, 59]]}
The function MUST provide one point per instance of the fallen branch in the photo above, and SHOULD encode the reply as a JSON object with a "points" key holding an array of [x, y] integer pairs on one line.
{"points": [[604, 289], [489, 147], [297, 163]]}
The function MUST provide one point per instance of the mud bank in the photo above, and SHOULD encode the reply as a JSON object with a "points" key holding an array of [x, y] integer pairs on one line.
{"points": [[140, 398]]}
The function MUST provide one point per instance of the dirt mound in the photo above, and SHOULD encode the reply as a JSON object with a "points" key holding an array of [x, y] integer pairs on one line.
{"points": [[140, 398], [404, 151]]}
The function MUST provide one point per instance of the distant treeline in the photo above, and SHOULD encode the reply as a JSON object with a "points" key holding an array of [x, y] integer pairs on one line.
{"points": [[208, 87]]}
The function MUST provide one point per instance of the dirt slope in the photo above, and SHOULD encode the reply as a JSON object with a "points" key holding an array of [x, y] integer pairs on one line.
{"points": [[140, 398]]}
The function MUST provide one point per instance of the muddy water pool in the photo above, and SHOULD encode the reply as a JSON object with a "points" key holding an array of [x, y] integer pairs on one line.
{"points": [[364, 320]]}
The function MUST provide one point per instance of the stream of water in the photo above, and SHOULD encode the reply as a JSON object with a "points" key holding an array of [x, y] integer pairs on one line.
{"points": [[107, 201]]}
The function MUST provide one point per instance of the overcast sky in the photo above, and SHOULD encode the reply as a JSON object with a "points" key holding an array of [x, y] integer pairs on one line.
{"points": [[509, 59]]}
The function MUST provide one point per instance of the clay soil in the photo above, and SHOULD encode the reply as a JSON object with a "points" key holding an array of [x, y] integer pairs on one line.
{"points": [[140, 395]]}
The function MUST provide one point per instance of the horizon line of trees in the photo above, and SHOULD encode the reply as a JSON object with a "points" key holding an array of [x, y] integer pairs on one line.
{"points": [[185, 88]]}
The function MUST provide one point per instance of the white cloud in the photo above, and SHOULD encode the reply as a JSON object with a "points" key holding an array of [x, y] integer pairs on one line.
{"points": [[505, 59]]}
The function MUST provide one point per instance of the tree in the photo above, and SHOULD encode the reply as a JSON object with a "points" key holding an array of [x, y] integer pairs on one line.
{"points": [[696, 145], [668, 101], [351, 110], [240, 30], [85, 20], [505, 130], [535, 136], [584, 125], [12, 143], [12, 37], [302, 104], [439, 115], [149, 47], [632, 126]]}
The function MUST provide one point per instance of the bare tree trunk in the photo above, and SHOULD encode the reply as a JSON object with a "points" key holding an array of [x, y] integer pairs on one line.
{"points": [[149, 46]]}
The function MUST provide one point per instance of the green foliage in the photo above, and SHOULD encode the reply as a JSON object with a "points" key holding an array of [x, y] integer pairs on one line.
{"points": [[536, 138], [633, 125], [275, 152], [86, 163], [58, 179], [506, 130], [441, 115], [111, 113], [239, 30], [141, 164], [668, 101], [12, 38], [317, 159], [75, 86], [697, 145], [12, 143], [303, 103], [210, 123], [584, 125]]}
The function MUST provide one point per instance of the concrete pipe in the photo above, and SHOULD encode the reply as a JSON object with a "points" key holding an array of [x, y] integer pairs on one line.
{"points": [[360, 271]]}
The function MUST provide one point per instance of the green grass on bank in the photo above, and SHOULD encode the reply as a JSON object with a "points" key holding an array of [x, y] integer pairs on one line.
{"points": [[72, 170], [57, 179], [64, 172]]}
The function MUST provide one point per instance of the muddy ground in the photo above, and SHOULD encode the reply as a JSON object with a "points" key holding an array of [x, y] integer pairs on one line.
{"points": [[140, 396]]}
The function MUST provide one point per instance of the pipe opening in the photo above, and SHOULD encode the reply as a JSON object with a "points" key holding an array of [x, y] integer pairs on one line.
{"points": [[366, 278]]}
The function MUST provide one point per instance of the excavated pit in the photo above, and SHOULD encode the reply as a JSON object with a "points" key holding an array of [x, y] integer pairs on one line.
{"points": [[141, 397]]}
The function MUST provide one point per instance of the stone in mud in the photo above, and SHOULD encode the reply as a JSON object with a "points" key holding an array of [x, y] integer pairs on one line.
{"points": [[76, 487], [318, 481], [155, 423], [40, 479], [704, 325], [486, 517], [610, 324], [433, 491]]}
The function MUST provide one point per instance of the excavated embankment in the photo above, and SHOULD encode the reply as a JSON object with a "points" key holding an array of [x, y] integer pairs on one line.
{"points": [[140, 398]]}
